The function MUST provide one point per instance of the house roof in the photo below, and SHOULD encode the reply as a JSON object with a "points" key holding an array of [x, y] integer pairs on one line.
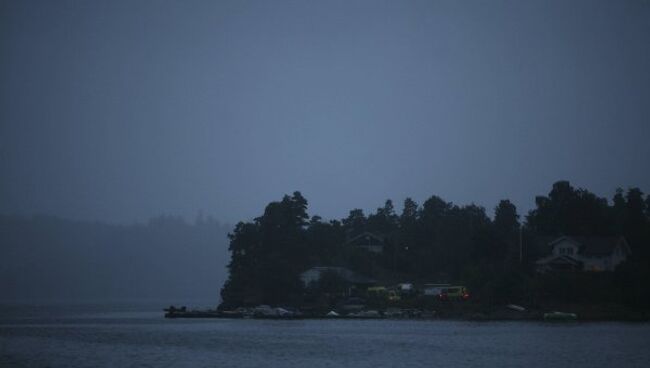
{"points": [[365, 235], [594, 246]]}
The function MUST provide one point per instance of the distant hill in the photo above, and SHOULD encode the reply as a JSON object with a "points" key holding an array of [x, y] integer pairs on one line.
{"points": [[51, 258]]}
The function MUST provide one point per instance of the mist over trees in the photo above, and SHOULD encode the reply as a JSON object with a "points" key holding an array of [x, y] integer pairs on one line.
{"points": [[167, 258], [437, 241]]}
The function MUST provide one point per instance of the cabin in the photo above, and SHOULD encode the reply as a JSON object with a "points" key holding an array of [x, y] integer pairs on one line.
{"points": [[368, 241], [570, 253]]}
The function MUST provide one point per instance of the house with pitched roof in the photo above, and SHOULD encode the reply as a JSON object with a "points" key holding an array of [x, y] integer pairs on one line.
{"points": [[572, 253], [368, 241]]}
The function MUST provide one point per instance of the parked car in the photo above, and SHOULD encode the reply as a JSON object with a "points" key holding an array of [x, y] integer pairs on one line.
{"points": [[454, 293], [434, 289], [381, 292]]}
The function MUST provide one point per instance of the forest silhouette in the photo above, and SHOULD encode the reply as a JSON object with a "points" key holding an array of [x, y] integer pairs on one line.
{"points": [[439, 241]]}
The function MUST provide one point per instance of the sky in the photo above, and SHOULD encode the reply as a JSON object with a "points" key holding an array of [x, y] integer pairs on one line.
{"points": [[122, 110]]}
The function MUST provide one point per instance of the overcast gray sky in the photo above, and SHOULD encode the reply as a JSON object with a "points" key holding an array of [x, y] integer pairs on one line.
{"points": [[120, 110]]}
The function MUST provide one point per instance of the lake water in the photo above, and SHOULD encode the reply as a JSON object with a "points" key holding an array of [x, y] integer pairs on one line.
{"points": [[136, 335]]}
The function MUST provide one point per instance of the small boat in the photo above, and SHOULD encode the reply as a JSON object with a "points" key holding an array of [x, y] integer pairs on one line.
{"points": [[516, 307], [370, 314], [560, 317]]}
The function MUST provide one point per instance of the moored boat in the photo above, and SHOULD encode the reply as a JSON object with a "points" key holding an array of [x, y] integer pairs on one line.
{"points": [[560, 316]]}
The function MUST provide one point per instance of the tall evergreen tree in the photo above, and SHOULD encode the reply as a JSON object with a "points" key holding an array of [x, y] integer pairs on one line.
{"points": [[268, 255], [567, 211], [355, 223], [506, 219], [507, 227], [384, 221], [409, 212]]}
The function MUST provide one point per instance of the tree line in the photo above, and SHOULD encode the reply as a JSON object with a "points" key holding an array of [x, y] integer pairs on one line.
{"points": [[436, 241]]}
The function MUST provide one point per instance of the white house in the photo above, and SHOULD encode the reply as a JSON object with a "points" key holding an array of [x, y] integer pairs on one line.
{"points": [[584, 254]]}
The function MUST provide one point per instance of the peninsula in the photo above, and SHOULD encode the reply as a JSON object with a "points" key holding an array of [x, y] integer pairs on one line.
{"points": [[574, 252]]}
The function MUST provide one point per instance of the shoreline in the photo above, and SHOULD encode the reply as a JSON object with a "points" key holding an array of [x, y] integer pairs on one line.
{"points": [[575, 314], [461, 319]]}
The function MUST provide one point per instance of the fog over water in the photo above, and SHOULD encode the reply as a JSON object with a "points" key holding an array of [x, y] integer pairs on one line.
{"points": [[47, 259]]}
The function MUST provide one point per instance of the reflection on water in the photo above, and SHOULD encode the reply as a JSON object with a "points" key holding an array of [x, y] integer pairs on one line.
{"points": [[137, 335]]}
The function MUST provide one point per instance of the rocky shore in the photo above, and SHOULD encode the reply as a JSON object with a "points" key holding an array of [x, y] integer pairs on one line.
{"points": [[470, 312]]}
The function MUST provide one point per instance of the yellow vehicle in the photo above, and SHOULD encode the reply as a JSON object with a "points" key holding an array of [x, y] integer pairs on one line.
{"points": [[377, 290], [454, 293], [384, 293]]}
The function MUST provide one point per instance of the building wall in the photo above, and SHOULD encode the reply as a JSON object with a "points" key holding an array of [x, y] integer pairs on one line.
{"points": [[309, 276], [596, 263], [601, 263], [604, 263], [567, 245], [374, 248], [618, 256]]}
